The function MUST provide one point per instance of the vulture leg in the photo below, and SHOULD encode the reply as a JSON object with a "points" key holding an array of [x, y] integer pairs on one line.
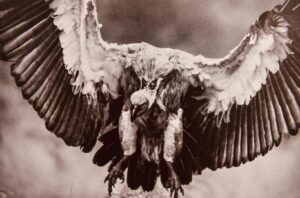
{"points": [[127, 132], [173, 181], [173, 139], [128, 138]]}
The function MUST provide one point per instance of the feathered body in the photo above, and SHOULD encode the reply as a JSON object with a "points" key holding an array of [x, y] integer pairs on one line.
{"points": [[150, 64], [152, 125]]}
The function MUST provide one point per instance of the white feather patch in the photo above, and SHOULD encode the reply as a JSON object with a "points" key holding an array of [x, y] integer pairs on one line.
{"points": [[128, 133], [83, 46], [267, 50], [173, 136]]}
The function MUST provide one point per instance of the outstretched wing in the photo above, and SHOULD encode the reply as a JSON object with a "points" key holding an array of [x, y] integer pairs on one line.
{"points": [[64, 68], [250, 98]]}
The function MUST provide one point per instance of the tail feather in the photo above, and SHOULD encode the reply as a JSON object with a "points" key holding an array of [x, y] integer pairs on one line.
{"points": [[164, 173], [134, 174], [150, 176], [141, 173]]}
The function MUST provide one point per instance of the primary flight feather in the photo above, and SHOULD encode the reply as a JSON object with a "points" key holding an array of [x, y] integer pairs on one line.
{"points": [[158, 112]]}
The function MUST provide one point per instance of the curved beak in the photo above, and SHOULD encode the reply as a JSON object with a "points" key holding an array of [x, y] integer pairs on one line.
{"points": [[133, 113], [138, 110]]}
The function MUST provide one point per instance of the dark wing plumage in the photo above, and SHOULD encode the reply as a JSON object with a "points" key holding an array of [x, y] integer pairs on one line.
{"points": [[39, 38], [252, 98]]}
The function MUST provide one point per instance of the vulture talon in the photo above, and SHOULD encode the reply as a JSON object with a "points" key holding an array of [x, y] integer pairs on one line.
{"points": [[112, 178], [175, 186], [173, 182]]}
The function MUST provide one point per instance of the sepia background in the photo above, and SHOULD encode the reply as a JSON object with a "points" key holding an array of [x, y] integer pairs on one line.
{"points": [[34, 163]]}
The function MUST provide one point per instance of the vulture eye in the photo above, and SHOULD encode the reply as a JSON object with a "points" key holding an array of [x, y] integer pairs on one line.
{"points": [[144, 83], [152, 85]]}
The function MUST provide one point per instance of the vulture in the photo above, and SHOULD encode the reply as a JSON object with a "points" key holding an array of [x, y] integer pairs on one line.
{"points": [[159, 113]]}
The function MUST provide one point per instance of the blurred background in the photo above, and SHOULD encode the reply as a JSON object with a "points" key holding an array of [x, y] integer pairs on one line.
{"points": [[34, 163]]}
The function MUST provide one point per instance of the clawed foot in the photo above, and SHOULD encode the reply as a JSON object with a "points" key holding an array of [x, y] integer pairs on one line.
{"points": [[174, 185], [112, 178]]}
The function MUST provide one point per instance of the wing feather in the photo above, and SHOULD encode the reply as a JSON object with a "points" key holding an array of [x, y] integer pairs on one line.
{"points": [[290, 97], [261, 124], [253, 94], [215, 142], [231, 138], [244, 140], [60, 62], [222, 146], [250, 137], [266, 120], [238, 140], [272, 117]]}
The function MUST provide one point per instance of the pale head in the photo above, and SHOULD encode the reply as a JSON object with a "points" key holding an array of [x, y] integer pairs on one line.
{"points": [[151, 65]]}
